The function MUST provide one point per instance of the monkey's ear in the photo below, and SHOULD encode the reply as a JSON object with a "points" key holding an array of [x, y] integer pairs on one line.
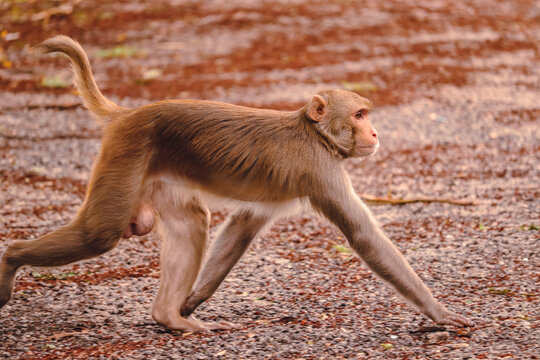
{"points": [[316, 108]]}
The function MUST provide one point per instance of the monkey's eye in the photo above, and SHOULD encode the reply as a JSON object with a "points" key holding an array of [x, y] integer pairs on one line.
{"points": [[361, 113]]}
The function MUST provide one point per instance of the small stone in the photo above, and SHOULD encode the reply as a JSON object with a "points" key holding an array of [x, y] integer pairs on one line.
{"points": [[435, 337]]}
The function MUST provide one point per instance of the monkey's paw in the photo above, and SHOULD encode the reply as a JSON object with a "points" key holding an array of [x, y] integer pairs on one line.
{"points": [[5, 294], [173, 321], [202, 327], [6, 287], [451, 318], [219, 325]]}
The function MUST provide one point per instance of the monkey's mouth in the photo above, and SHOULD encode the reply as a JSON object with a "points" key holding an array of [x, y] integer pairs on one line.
{"points": [[369, 147], [367, 150]]}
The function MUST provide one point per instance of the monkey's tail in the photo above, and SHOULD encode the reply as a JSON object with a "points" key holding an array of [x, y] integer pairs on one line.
{"points": [[101, 107]]}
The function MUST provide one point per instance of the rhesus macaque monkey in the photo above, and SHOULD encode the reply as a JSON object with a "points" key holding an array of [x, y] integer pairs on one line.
{"points": [[166, 161]]}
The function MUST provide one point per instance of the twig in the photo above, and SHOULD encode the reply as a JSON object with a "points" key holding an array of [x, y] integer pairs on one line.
{"points": [[66, 106], [64, 9], [393, 201], [389, 192], [66, 334]]}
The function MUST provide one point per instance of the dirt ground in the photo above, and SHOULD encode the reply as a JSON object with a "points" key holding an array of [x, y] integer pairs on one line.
{"points": [[456, 87]]}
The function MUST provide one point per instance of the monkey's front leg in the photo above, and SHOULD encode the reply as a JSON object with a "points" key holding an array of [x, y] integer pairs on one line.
{"points": [[227, 249], [354, 219]]}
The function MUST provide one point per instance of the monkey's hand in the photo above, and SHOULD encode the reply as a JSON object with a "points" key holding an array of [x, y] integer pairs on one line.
{"points": [[7, 274], [445, 317]]}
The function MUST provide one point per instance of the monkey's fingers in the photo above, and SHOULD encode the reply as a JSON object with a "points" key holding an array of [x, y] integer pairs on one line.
{"points": [[450, 318], [7, 274]]}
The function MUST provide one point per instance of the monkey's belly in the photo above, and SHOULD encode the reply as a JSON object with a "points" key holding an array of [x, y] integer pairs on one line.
{"points": [[178, 190]]}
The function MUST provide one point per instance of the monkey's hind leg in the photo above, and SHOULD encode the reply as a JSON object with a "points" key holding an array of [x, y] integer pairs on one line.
{"points": [[97, 228], [63, 246], [184, 234]]}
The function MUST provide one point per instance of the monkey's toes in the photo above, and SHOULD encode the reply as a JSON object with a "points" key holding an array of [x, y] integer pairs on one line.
{"points": [[454, 319], [203, 327], [221, 325]]}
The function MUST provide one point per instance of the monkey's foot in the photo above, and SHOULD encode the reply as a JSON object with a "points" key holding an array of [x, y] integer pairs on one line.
{"points": [[450, 318], [177, 322], [200, 326], [220, 325]]}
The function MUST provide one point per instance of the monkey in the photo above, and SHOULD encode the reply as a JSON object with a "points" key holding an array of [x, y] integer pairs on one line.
{"points": [[162, 164]]}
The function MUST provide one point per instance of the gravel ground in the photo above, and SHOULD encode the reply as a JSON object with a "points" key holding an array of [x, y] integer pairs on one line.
{"points": [[456, 89]]}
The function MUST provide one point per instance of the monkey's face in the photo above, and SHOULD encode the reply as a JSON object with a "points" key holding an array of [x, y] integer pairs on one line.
{"points": [[342, 118], [366, 139]]}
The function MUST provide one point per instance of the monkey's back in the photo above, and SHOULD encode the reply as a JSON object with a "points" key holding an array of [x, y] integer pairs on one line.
{"points": [[238, 150]]}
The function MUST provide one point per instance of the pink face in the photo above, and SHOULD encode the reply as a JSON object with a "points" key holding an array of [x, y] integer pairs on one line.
{"points": [[366, 140]]}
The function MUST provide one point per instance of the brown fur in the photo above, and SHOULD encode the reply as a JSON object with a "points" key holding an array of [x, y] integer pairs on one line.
{"points": [[167, 160]]}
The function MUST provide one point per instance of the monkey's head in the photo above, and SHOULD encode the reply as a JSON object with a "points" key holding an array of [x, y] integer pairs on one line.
{"points": [[341, 118]]}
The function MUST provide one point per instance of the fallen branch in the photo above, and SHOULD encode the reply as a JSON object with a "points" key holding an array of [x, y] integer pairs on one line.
{"points": [[393, 201], [64, 9], [66, 106], [66, 334]]}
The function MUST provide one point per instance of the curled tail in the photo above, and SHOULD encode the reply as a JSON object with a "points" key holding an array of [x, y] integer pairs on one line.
{"points": [[93, 99]]}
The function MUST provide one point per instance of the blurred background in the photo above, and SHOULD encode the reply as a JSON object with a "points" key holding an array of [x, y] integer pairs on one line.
{"points": [[456, 91]]}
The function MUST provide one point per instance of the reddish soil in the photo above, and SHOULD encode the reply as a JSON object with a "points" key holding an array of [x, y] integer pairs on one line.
{"points": [[456, 89]]}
